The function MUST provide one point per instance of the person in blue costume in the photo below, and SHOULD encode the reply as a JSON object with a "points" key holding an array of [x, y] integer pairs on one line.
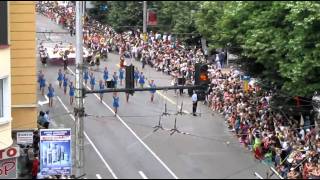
{"points": [[152, 85], [115, 103], [60, 78], [136, 76], [42, 82], [121, 75], [86, 76], [115, 79], [92, 81], [141, 79], [40, 75], [101, 87], [105, 75], [71, 92], [65, 83], [50, 94]]}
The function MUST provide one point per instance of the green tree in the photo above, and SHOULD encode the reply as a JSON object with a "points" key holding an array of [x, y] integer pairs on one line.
{"points": [[277, 41]]}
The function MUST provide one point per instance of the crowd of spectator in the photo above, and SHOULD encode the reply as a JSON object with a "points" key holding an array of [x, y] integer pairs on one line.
{"points": [[291, 145]]}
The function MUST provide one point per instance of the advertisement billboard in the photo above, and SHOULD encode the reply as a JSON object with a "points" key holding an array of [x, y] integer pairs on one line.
{"points": [[8, 162], [8, 168], [55, 152]]}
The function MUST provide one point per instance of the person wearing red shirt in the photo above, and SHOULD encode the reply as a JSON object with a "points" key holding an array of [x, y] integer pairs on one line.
{"points": [[35, 167]]}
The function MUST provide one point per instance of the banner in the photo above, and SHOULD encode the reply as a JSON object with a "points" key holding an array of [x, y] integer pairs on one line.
{"points": [[55, 152], [25, 137], [152, 18]]}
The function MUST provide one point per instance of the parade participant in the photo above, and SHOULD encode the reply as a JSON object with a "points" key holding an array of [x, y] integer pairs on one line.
{"points": [[115, 103], [65, 83], [105, 75], [104, 52], [50, 94], [97, 60], [42, 84], [115, 79], [65, 61], [136, 76], [101, 87], [55, 49], [141, 79], [60, 78], [152, 85], [44, 57], [92, 81], [122, 61], [86, 76], [121, 75], [40, 75], [71, 92]]}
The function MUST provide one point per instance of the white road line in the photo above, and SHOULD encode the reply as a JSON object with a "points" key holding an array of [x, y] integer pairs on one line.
{"points": [[41, 103], [90, 141], [143, 175], [126, 125], [98, 176]]}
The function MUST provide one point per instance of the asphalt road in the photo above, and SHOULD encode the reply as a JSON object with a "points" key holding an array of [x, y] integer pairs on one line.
{"points": [[126, 146]]}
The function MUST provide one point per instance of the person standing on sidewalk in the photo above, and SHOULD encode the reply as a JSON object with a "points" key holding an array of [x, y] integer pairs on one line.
{"points": [[194, 103], [152, 85], [35, 167]]}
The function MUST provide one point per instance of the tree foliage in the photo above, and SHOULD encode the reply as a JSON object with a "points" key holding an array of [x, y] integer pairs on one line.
{"points": [[280, 38]]}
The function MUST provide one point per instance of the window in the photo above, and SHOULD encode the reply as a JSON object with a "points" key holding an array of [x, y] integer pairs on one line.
{"points": [[3, 23], [1, 98]]}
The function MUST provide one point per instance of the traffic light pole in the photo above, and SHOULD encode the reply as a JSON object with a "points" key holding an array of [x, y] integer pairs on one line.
{"points": [[79, 109]]}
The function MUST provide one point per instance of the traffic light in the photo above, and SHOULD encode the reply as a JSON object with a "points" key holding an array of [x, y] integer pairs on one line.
{"points": [[130, 78], [201, 78], [201, 75]]}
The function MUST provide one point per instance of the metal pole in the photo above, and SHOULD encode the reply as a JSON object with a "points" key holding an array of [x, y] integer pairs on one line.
{"points": [[140, 89], [144, 19], [79, 109]]}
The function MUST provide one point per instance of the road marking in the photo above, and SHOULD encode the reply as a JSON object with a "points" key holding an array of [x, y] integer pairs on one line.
{"points": [[126, 125], [90, 141], [143, 175], [41, 103], [98, 176]]}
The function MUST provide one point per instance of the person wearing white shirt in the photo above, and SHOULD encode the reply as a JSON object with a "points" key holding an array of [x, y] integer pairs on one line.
{"points": [[194, 103]]}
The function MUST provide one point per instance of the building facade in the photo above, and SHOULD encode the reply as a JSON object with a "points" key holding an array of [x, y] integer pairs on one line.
{"points": [[5, 79], [22, 20]]}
